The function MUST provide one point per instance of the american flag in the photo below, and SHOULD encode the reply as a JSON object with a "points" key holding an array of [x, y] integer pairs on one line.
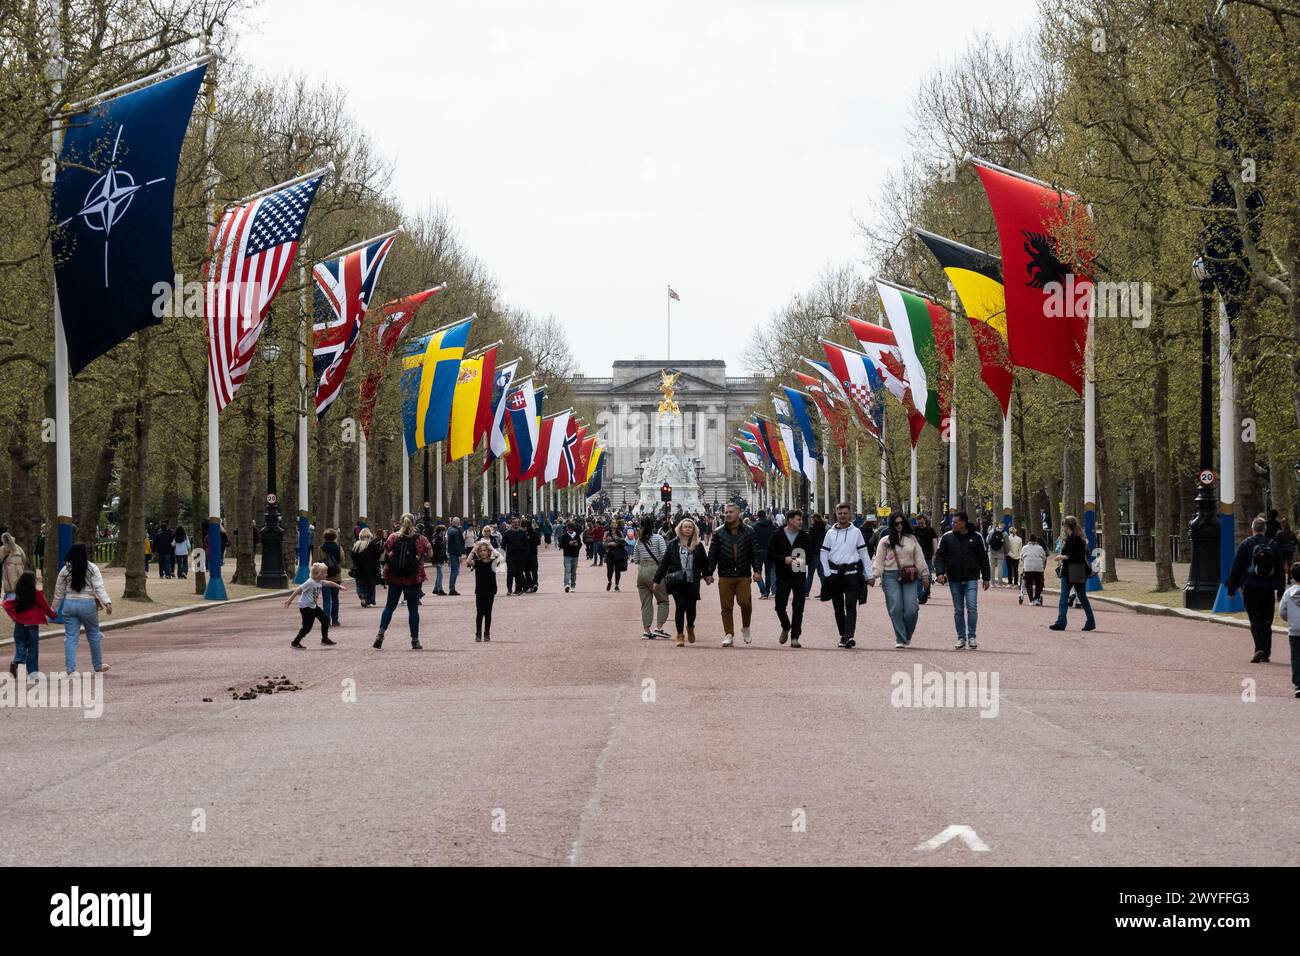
{"points": [[253, 247], [673, 295], [343, 289]]}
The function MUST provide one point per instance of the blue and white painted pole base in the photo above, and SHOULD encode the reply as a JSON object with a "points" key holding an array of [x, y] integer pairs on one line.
{"points": [[304, 549], [1227, 552], [216, 587], [1090, 531]]}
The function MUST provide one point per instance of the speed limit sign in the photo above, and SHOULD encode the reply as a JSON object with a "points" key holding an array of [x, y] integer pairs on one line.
{"points": [[1207, 476]]}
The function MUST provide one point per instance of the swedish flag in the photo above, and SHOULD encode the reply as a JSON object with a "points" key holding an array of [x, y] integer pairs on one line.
{"points": [[430, 366]]}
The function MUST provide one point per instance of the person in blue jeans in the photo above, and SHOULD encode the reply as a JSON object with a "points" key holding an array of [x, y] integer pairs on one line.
{"points": [[1072, 562], [78, 595], [404, 576], [27, 607], [961, 560]]}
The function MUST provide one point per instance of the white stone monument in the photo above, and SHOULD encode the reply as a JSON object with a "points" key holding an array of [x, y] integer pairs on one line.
{"points": [[668, 461]]}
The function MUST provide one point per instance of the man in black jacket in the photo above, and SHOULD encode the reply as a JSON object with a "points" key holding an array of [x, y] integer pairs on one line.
{"points": [[1257, 572], [571, 547], [763, 530], [515, 544], [961, 561], [787, 545], [735, 560]]}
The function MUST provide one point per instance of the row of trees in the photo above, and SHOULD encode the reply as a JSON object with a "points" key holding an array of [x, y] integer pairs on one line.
{"points": [[139, 414], [1142, 108]]}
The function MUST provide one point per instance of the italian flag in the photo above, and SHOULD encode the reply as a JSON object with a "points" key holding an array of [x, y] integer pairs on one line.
{"points": [[924, 333]]}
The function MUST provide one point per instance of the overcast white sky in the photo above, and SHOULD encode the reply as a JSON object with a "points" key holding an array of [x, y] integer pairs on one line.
{"points": [[593, 151]]}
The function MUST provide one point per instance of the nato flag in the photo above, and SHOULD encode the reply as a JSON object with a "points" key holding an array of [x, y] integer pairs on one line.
{"points": [[112, 206]]}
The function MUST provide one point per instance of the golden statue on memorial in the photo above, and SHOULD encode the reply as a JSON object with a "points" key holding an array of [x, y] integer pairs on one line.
{"points": [[666, 386]]}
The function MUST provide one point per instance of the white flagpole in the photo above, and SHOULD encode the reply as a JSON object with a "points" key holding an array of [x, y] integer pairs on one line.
{"points": [[1089, 442], [952, 422], [670, 324], [464, 481], [1227, 466], [437, 484], [304, 400], [843, 465], [1007, 507], [857, 478], [215, 589], [883, 490], [486, 505], [362, 510], [406, 476], [911, 500]]}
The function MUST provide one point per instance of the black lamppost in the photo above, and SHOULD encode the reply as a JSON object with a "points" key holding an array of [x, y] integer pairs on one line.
{"points": [[272, 574], [1203, 576]]}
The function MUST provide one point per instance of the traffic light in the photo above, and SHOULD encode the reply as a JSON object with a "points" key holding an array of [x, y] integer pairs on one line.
{"points": [[666, 492]]}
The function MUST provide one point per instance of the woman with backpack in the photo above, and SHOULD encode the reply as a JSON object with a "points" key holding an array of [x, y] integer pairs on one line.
{"points": [[1073, 569], [78, 595], [404, 554], [366, 553], [901, 568], [615, 547], [679, 573], [332, 557]]}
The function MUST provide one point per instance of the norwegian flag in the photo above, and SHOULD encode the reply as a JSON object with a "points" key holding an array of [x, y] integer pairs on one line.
{"points": [[253, 247], [569, 454], [384, 335], [343, 289]]}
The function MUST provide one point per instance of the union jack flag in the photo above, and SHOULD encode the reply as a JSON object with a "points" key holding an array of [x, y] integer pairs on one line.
{"points": [[342, 295], [253, 247]]}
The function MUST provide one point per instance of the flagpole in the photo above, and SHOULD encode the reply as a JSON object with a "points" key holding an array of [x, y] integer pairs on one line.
{"points": [[843, 465], [857, 477], [952, 420], [669, 353], [826, 469], [320, 171], [911, 501], [969, 158], [1089, 444], [883, 492], [1007, 507], [437, 486], [464, 483], [406, 476], [360, 245], [83, 105], [215, 589], [361, 480], [304, 507]]}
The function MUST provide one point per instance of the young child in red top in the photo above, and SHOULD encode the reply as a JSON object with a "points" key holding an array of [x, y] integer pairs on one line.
{"points": [[29, 611]]}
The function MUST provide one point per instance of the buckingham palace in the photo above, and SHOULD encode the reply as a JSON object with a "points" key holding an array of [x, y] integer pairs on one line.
{"points": [[712, 403]]}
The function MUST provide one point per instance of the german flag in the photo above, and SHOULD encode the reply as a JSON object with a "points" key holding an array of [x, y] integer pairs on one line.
{"points": [[977, 277]]}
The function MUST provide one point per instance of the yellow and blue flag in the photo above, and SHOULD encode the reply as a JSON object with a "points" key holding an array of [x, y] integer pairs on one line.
{"points": [[430, 367]]}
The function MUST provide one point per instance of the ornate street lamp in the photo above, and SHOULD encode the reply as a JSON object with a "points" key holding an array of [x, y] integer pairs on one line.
{"points": [[272, 574], [1203, 576]]}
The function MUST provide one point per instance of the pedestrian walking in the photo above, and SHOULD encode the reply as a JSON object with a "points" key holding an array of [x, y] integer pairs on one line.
{"points": [[1289, 609], [996, 542], [648, 554], [1014, 545], [308, 595], [789, 552], [684, 565], [164, 548], [571, 545], [961, 561], [28, 609], [1286, 543], [1033, 563], [181, 551], [900, 567], [13, 562], [438, 557], [1073, 568], [481, 561], [332, 557], [548, 530], [79, 595], [615, 555], [404, 553], [816, 535], [456, 551], [366, 554], [530, 557], [515, 544], [844, 558], [763, 529], [735, 557], [1257, 572]]}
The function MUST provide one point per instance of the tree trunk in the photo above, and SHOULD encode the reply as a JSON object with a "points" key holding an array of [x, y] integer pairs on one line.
{"points": [[245, 565], [96, 490], [1281, 486], [24, 491], [1247, 505], [1165, 489], [136, 476]]}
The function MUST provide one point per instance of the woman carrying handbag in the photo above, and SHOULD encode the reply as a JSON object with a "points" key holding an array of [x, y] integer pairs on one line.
{"points": [[1073, 568], [901, 567], [683, 565]]}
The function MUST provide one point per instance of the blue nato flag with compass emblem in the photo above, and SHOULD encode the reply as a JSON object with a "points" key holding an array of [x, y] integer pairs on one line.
{"points": [[112, 208]]}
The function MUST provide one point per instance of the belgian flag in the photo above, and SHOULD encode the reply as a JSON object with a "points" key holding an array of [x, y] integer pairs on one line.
{"points": [[977, 277]]}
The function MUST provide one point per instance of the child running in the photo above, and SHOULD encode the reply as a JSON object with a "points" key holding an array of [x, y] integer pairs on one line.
{"points": [[308, 594], [485, 588], [29, 611]]}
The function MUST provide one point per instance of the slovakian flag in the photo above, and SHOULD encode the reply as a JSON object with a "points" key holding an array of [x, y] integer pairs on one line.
{"points": [[1046, 237], [861, 381], [879, 343], [977, 278], [430, 366], [383, 338], [923, 330], [343, 288], [112, 209], [521, 420]]}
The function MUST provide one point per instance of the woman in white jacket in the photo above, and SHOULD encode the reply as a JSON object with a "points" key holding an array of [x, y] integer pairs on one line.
{"points": [[78, 594], [900, 566], [1033, 562]]}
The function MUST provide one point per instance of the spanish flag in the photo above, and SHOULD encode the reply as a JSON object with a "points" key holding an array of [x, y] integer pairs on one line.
{"points": [[468, 401], [977, 278], [430, 367]]}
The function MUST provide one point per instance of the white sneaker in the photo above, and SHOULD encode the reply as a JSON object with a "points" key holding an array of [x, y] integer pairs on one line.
{"points": [[899, 645], [660, 632], [749, 638], [726, 641]]}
